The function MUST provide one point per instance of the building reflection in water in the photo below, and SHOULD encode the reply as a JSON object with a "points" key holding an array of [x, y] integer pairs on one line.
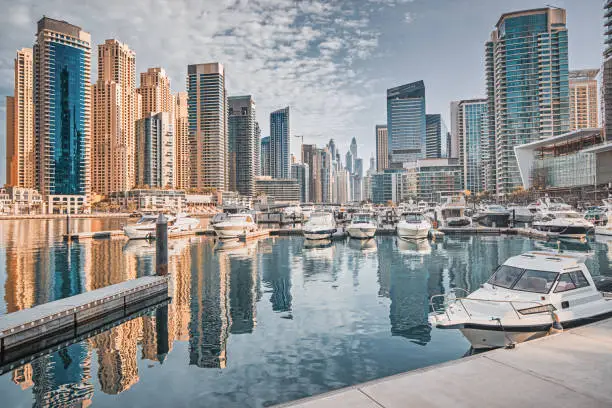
{"points": [[276, 275], [243, 289]]}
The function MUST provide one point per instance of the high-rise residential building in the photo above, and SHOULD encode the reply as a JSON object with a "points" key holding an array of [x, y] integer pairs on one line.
{"points": [[372, 164], [113, 116], [300, 172], [349, 162], [453, 150], [437, 137], [20, 147], [406, 125], [527, 68], [312, 157], [182, 152], [242, 144], [207, 104], [264, 153], [584, 111], [606, 89], [357, 180], [257, 150], [473, 135], [382, 149], [280, 143], [326, 175], [332, 148], [62, 99], [155, 151], [155, 92]]}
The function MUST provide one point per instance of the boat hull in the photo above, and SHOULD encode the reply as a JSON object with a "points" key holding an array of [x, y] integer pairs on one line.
{"points": [[232, 232], [318, 234], [137, 233], [487, 339], [501, 220], [361, 232], [607, 230], [412, 232], [577, 232]]}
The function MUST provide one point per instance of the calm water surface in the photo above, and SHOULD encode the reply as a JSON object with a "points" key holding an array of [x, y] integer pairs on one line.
{"points": [[249, 325]]}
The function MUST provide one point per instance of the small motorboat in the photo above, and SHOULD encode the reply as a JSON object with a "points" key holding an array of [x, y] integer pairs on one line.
{"points": [[362, 226], [527, 297], [146, 226], [413, 225], [235, 226], [564, 224], [321, 225]]}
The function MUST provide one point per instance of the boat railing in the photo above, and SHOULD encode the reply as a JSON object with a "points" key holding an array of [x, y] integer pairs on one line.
{"points": [[449, 299]]}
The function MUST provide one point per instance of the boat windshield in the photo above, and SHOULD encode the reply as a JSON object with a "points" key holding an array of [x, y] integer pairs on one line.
{"points": [[568, 215], [526, 280], [413, 217], [147, 220], [361, 218]]}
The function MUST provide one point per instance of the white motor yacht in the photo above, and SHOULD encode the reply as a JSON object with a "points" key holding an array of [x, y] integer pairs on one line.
{"points": [[452, 213], [362, 226], [413, 225], [526, 297], [606, 229], [146, 226], [564, 224], [236, 225], [321, 225]]}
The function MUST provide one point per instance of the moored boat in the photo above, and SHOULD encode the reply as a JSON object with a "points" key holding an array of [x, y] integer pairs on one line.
{"points": [[528, 296], [236, 225], [413, 225], [145, 227], [321, 225], [362, 226]]}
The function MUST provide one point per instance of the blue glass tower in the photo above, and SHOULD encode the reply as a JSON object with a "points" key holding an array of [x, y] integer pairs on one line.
{"points": [[406, 123], [280, 144], [527, 69], [62, 68], [473, 135]]}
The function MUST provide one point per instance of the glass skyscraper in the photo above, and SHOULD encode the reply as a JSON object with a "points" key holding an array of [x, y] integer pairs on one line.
{"points": [[280, 144], [607, 71], [242, 144], [264, 156], [437, 140], [62, 93], [473, 139], [406, 123], [527, 58]]}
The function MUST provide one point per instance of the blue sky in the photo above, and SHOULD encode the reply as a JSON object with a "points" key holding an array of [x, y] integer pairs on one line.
{"points": [[331, 61]]}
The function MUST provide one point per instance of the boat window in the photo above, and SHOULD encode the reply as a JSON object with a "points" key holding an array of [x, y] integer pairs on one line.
{"points": [[570, 281], [414, 217], [536, 281], [505, 276]]}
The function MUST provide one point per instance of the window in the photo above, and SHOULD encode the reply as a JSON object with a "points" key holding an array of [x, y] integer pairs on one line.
{"points": [[570, 281], [505, 276], [536, 281]]}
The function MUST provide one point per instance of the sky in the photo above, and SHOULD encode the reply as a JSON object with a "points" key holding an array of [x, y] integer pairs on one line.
{"points": [[330, 61]]}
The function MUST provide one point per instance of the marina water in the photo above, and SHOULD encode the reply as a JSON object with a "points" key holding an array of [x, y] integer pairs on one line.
{"points": [[249, 324]]}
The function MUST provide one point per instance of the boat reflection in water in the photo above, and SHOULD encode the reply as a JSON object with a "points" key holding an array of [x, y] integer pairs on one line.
{"points": [[364, 245], [319, 249], [413, 246]]}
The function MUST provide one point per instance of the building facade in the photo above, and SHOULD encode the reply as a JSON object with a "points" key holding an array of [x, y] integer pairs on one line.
{"points": [[278, 190], [312, 157], [437, 140], [264, 153], [242, 144], [20, 146], [606, 89], [207, 107], [182, 152], [155, 92], [527, 58], [280, 144], [155, 151], [584, 106], [113, 117], [62, 100], [301, 173], [406, 127], [473, 137], [382, 148], [437, 179]]}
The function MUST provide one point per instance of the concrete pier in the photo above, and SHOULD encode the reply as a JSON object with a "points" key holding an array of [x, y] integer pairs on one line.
{"points": [[75, 314], [570, 369]]}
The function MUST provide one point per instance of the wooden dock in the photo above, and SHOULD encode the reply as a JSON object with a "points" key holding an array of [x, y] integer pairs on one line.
{"points": [[76, 313], [569, 369]]}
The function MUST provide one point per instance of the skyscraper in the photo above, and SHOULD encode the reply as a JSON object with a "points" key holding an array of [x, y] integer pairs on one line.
{"points": [[353, 148], [264, 153], [584, 111], [155, 92], [20, 147], [453, 150], [113, 117], [182, 154], [437, 138], [382, 149], [472, 133], [257, 150], [62, 98], [155, 151], [242, 144], [349, 160], [312, 157], [300, 172], [406, 123], [607, 72], [280, 144], [207, 105], [528, 59]]}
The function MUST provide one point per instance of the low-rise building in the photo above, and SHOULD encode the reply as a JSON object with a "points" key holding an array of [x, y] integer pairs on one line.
{"points": [[437, 178], [150, 199], [278, 190]]}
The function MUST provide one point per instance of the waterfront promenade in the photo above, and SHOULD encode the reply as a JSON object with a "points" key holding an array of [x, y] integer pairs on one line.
{"points": [[570, 369]]}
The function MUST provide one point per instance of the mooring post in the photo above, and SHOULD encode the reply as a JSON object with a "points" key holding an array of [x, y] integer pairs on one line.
{"points": [[513, 217], [161, 246]]}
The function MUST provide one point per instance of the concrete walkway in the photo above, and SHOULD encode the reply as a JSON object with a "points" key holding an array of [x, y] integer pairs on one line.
{"points": [[571, 369]]}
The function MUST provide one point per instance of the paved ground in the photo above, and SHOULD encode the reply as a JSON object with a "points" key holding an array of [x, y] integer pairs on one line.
{"points": [[571, 369]]}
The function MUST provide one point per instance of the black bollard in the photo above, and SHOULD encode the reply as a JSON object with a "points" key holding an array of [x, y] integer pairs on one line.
{"points": [[68, 225], [513, 217], [161, 246]]}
